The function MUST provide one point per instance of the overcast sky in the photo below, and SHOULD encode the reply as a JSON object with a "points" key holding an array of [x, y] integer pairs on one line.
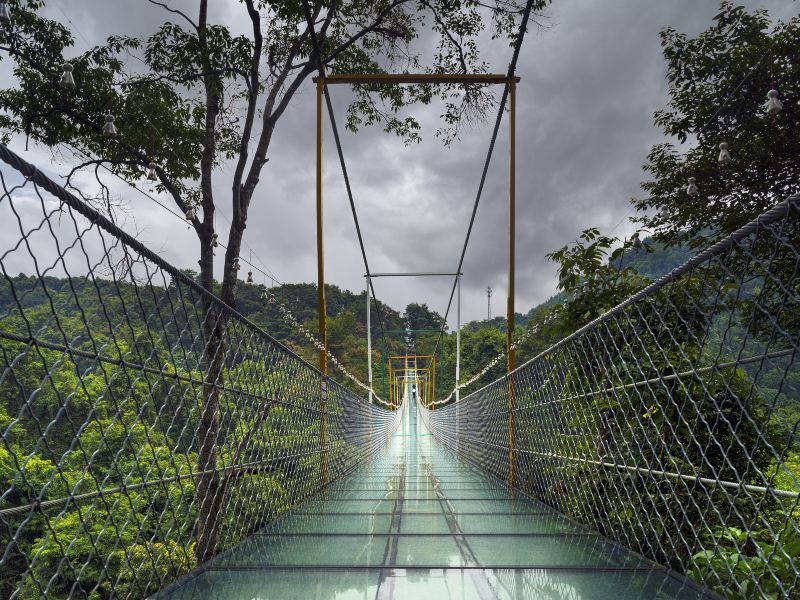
{"points": [[590, 84]]}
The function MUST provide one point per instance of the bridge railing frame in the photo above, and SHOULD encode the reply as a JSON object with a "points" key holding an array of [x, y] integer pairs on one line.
{"points": [[666, 423], [104, 397]]}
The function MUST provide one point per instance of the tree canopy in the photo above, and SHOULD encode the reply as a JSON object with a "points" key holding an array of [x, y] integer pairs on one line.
{"points": [[195, 95], [718, 84]]}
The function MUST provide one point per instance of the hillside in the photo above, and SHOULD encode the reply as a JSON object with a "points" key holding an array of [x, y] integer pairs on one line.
{"points": [[481, 341]]}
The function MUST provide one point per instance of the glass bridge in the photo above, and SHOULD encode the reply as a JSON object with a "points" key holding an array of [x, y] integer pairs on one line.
{"points": [[419, 523], [136, 441]]}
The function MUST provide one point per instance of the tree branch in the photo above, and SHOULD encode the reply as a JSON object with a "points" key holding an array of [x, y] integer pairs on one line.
{"points": [[284, 74], [328, 20], [510, 8], [98, 162], [269, 116], [244, 443], [212, 110], [187, 78], [175, 11], [446, 31], [370, 29], [273, 112], [252, 104]]}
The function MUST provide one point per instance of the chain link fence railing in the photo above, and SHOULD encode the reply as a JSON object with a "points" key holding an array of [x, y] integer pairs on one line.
{"points": [[144, 425], [670, 423]]}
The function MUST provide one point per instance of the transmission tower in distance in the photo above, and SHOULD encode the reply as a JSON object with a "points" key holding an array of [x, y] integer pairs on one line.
{"points": [[488, 303]]}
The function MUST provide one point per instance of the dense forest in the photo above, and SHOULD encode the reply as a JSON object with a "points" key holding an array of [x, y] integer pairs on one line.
{"points": [[100, 397], [481, 340]]}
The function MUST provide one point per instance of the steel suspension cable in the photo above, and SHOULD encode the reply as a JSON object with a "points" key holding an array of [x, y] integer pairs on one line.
{"points": [[512, 67], [321, 70], [163, 206]]}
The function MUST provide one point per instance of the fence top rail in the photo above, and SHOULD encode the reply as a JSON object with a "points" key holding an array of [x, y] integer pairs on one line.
{"points": [[40, 179], [777, 212]]}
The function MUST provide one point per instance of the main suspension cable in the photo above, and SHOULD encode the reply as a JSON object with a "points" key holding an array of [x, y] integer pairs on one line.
{"points": [[284, 310], [512, 67], [321, 70]]}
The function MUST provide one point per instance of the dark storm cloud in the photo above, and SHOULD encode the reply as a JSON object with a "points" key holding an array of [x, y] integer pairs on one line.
{"points": [[590, 84]]}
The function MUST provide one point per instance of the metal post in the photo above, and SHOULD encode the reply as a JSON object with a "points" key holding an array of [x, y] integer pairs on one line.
{"points": [[383, 366], [398, 399], [369, 344], [458, 365], [458, 340], [441, 366], [512, 96], [323, 330], [433, 382]]}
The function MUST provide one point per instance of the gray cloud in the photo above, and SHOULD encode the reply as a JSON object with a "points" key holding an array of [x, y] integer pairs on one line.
{"points": [[590, 84]]}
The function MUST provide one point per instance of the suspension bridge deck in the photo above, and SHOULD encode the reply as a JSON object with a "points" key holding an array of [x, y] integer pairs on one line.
{"points": [[419, 523]]}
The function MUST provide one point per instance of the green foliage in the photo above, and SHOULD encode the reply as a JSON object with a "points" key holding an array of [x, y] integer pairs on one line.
{"points": [[724, 423], [76, 426], [718, 82], [193, 82], [730, 424], [740, 557], [593, 277]]}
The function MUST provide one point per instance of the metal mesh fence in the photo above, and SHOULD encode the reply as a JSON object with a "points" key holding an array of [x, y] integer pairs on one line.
{"points": [[670, 423], [145, 425]]}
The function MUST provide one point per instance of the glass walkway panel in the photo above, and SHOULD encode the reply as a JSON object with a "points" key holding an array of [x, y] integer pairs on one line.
{"points": [[419, 523]]}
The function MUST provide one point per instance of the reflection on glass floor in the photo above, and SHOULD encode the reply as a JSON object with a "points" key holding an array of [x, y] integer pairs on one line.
{"points": [[418, 523]]}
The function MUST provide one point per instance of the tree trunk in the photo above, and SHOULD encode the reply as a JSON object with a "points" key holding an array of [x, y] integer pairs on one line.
{"points": [[209, 491]]}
